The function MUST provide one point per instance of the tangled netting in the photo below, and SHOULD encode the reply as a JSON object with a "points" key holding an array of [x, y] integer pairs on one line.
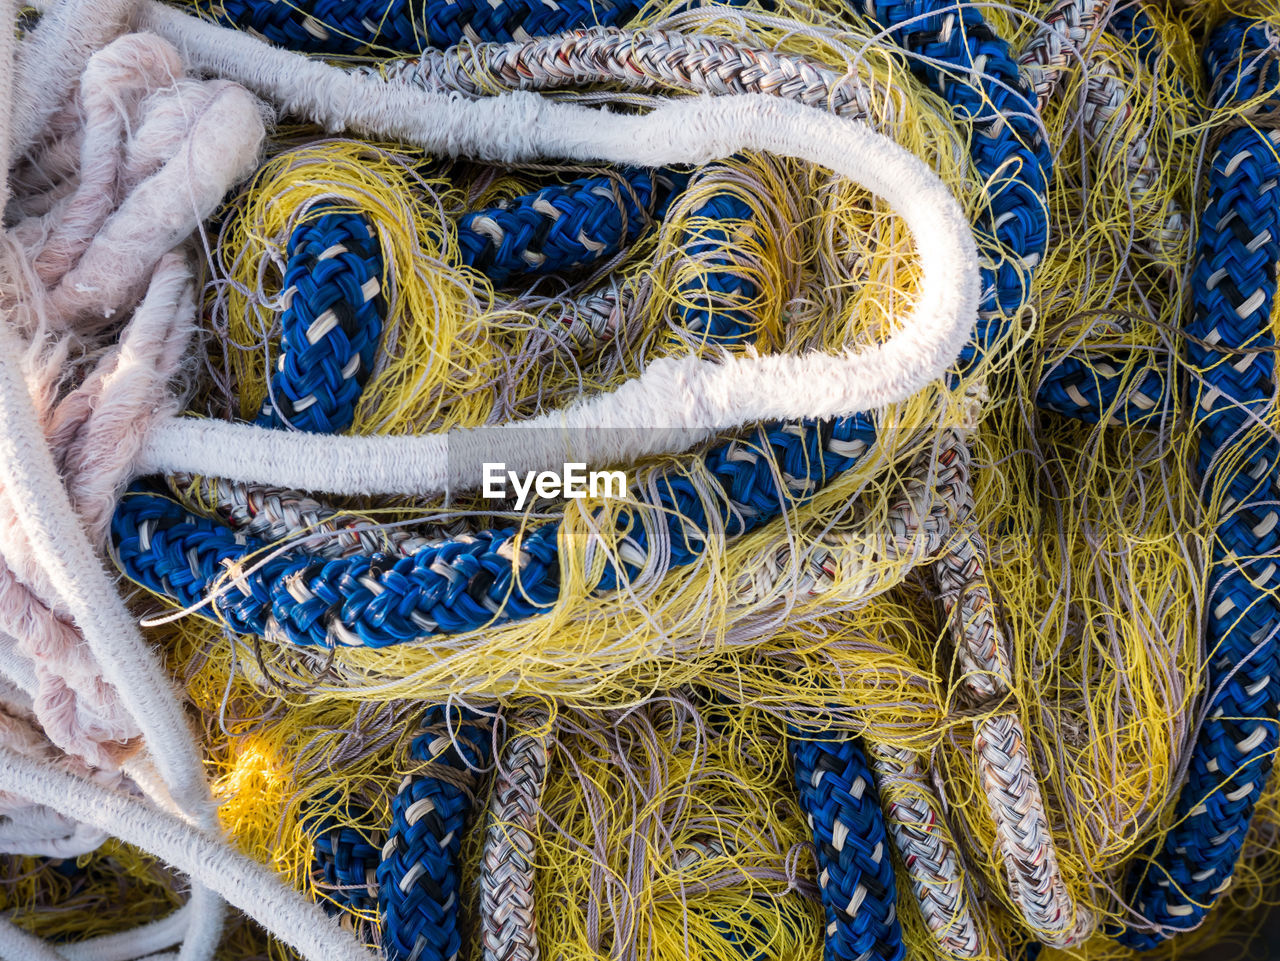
{"points": [[988, 672]]}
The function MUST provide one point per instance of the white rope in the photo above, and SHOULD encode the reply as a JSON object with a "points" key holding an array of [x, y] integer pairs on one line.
{"points": [[51, 59], [144, 940], [676, 402], [210, 861], [60, 545]]}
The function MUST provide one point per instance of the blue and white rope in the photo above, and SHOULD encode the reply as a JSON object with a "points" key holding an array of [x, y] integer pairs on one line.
{"points": [[419, 883], [1234, 289]]}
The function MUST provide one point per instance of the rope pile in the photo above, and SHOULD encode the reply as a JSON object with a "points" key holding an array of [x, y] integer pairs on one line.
{"points": [[918, 356]]}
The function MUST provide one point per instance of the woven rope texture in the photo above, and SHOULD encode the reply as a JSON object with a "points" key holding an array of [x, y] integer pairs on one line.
{"points": [[406, 26], [1234, 287], [418, 879], [331, 325], [859, 897], [466, 582], [507, 916]]}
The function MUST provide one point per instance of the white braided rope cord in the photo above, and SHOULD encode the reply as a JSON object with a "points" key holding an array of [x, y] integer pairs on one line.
{"points": [[645, 60], [508, 919], [1024, 842], [1072, 35], [929, 851]]}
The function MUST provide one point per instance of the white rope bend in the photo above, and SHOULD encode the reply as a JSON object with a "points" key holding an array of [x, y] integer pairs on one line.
{"points": [[676, 402], [207, 860]]}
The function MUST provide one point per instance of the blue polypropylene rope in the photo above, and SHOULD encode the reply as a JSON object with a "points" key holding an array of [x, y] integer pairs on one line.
{"points": [[565, 227], [1101, 386], [410, 26], [1233, 290], [334, 308], [468, 582], [331, 324], [859, 895], [960, 58], [714, 304], [344, 861], [419, 884], [1132, 24]]}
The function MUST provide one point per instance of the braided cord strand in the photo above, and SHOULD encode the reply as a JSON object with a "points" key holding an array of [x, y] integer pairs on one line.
{"points": [[563, 227], [1005, 768], [470, 581], [1234, 288], [507, 915], [1062, 39], [642, 60], [409, 26], [344, 861], [1101, 387], [960, 58], [929, 851], [913, 811], [855, 872], [331, 324], [1071, 32], [963, 60], [418, 877]]}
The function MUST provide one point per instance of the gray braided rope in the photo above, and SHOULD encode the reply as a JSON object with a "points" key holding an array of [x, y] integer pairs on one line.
{"points": [[643, 60], [508, 919], [1062, 39], [1007, 774], [851, 561], [274, 515], [1071, 33], [929, 852], [1106, 107], [919, 524]]}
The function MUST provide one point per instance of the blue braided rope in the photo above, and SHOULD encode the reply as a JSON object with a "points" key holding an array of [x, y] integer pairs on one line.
{"points": [[1234, 288], [332, 322], [714, 303], [1099, 387], [960, 58], [406, 26], [419, 884], [859, 896], [344, 862], [471, 581], [563, 227], [1131, 24]]}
